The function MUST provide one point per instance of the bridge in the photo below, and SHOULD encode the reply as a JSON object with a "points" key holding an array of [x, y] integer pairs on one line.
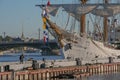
{"points": [[35, 44]]}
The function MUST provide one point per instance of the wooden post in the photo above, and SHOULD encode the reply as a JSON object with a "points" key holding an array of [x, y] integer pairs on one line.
{"points": [[82, 20], [18, 77], [41, 76], [50, 75], [90, 70], [115, 67]]}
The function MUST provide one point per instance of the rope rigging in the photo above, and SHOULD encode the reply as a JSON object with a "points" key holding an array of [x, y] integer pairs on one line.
{"points": [[67, 21], [72, 28], [96, 26]]}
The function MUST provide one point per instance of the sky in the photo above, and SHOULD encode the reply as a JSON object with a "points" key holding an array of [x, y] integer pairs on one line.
{"points": [[15, 14]]}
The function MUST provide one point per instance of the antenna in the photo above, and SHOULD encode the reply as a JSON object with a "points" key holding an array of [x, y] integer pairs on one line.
{"points": [[22, 36]]}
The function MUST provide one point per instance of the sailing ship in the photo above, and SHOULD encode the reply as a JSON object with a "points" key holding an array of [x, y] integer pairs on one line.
{"points": [[81, 45]]}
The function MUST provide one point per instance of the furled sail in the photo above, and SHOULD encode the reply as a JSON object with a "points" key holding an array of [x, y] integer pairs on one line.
{"points": [[103, 12], [52, 10], [115, 8], [73, 9], [107, 10], [78, 9]]}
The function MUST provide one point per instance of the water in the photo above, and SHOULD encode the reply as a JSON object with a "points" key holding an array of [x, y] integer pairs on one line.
{"points": [[11, 57], [110, 76], [37, 56]]}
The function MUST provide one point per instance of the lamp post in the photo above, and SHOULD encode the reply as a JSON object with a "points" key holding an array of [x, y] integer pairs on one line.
{"points": [[4, 33], [39, 34]]}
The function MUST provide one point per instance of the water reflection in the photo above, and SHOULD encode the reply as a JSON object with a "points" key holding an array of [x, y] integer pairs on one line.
{"points": [[110, 76]]}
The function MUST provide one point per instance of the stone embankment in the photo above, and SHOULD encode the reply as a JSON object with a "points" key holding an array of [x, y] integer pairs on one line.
{"points": [[41, 72]]}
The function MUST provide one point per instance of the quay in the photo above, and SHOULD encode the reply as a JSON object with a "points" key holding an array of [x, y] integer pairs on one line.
{"points": [[44, 73]]}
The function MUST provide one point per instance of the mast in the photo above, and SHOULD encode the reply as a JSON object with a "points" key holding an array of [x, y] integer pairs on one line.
{"points": [[82, 19], [105, 23]]}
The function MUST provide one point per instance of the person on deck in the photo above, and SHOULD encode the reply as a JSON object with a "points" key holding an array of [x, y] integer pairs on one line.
{"points": [[21, 58]]}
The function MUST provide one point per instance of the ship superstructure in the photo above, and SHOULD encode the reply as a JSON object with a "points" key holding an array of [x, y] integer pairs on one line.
{"points": [[81, 45]]}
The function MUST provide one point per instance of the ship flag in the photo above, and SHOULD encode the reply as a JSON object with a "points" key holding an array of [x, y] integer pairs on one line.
{"points": [[47, 27], [44, 20], [48, 3], [45, 9], [44, 15], [45, 37], [44, 26], [44, 12]]}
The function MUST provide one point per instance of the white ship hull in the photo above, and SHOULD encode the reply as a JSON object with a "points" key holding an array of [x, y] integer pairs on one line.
{"points": [[89, 50]]}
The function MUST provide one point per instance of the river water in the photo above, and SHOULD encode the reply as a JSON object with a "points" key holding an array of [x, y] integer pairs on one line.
{"points": [[11, 57], [110, 76], [37, 56]]}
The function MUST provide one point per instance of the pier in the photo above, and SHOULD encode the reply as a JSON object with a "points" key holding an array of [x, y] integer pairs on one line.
{"points": [[49, 73]]}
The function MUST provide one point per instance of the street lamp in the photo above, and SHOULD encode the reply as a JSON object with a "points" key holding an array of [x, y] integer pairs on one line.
{"points": [[39, 33], [4, 34]]}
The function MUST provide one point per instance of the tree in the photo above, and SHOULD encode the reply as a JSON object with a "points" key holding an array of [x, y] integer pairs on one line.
{"points": [[1, 38], [8, 38]]}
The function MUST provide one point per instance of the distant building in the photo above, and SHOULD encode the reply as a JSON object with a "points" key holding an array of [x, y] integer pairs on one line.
{"points": [[22, 36], [17, 39]]}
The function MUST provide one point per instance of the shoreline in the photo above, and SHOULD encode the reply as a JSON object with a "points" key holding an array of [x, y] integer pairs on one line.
{"points": [[77, 71]]}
